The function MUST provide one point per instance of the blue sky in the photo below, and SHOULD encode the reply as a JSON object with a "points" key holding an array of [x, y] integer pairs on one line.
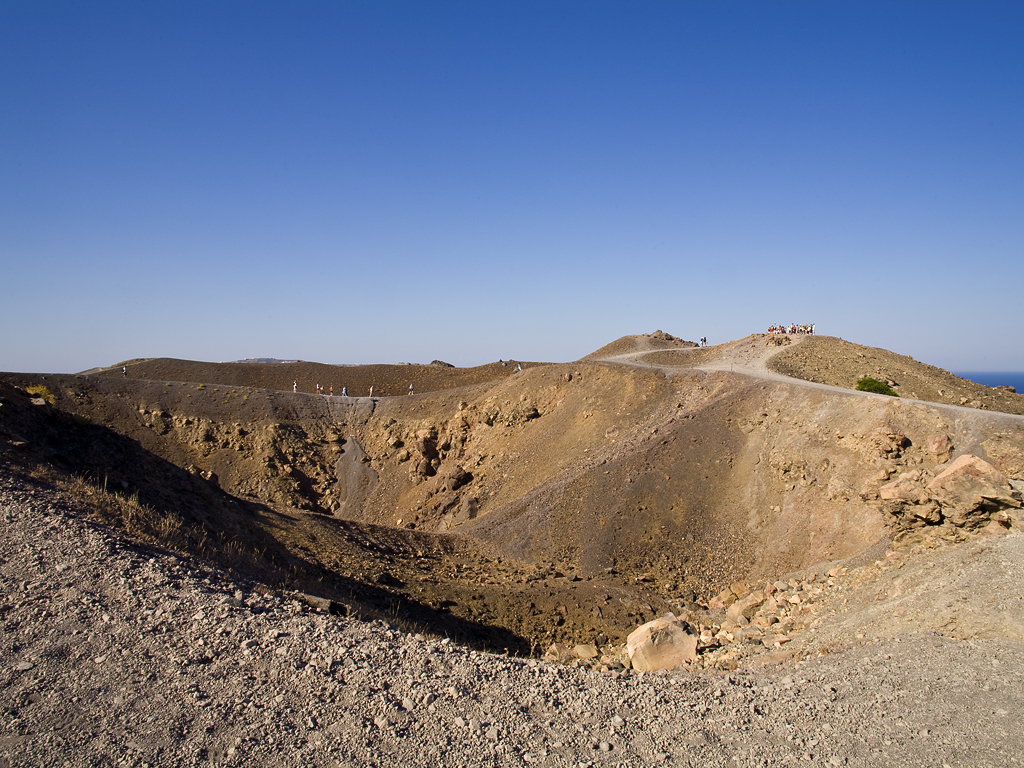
{"points": [[389, 182]]}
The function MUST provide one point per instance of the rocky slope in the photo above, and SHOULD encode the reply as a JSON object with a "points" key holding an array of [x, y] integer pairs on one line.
{"points": [[563, 503], [119, 654]]}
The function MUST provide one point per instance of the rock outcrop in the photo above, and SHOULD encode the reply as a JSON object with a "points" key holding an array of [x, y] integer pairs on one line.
{"points": [[969, 493]]}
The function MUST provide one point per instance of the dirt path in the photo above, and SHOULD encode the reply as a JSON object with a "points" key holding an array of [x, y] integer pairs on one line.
{"points": [[750, 356]]}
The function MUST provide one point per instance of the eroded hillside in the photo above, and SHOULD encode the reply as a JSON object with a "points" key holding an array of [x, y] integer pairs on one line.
{"points": [[561, 502]]}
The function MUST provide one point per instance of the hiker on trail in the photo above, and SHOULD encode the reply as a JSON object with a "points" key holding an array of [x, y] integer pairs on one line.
{"points": [[124, 371], [332, 390], [410, 389], [519, 367], [371, 391], [344, 391], [295, 386]]}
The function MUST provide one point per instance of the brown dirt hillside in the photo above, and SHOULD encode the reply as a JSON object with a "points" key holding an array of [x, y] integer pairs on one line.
{"points": [[445, 585], [386, 380], [566, 502], [828, 360], [644, 342]]}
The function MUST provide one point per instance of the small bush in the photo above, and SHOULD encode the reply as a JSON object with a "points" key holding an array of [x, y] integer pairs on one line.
{"points": [[41, 390], [868, 384]]}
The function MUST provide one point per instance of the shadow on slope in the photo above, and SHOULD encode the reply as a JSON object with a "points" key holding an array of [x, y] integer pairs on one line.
{"points": [[161, 504]]}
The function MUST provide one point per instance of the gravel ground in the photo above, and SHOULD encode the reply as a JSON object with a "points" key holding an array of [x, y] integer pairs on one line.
{"points": [[114, 654]]}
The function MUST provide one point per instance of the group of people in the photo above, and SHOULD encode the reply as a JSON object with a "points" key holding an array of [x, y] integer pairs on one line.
{"points": [[330, 390], [326, 390], [703, 341], [801, 329]]}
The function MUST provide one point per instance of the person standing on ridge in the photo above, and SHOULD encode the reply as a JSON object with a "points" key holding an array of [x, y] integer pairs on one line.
{"points": [[295, 386], [124, 371], [410, 389]]}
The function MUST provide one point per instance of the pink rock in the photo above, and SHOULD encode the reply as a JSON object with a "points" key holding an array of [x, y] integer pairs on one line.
{"points": [[660, 644], [970, 490]]}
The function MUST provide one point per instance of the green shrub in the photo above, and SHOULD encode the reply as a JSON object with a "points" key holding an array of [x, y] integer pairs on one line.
{"points": [[867, 384], [41, 390]]}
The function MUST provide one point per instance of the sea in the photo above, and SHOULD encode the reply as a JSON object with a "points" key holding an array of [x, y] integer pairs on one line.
{"points": [[995, 378]]}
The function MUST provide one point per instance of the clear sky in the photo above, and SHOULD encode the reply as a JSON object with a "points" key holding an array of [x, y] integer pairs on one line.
{"points": [[353, 182]]}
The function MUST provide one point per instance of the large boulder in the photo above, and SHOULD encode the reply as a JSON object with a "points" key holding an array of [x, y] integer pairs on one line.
{"points": [[585, 651], [457, 478], [467, 511], [746, 607], [558, 652], [970, 490], [662, 643], [426, 443], [940, 446], [909, 486]]}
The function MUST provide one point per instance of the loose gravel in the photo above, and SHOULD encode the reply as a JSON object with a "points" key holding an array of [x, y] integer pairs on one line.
{"points": [[116, 654]]}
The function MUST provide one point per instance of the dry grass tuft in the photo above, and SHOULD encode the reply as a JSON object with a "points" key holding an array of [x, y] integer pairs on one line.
{"points": [[142, 522]]}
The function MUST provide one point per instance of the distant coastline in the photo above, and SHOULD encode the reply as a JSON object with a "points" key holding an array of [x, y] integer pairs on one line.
{"points": [[995, 378]]}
